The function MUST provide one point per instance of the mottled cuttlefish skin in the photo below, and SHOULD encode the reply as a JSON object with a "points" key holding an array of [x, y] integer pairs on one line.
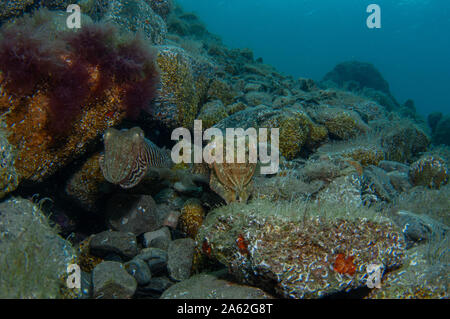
{"points": [[129, 155]]}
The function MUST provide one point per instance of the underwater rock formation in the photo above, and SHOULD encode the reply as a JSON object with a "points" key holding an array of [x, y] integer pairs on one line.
{"points": [[137, 16], [60, 94], [248, 239], [184, 81], [360, 74], [429, 171], [34, 258]]}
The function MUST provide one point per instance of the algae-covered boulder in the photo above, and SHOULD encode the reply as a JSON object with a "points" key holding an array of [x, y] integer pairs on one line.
{"points": [[296, 129], [403, 141], [184, 82], [341, 124], [300, 250], [137, 16], [33, 258]]}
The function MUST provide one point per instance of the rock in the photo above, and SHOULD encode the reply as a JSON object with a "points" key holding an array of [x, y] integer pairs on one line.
{"points": [[85, 185], [250, 87], [123, 244], [390, 166], [112, 281], [403, 141], [430, 171], [138, 268], [212, 113], [341, 123], [134, 213], [16, 8], [170, 197], [360, 73], [155, 287], [180, 255], [419, 228], [184, 79], [171, 219], [254, 98], [159, 238], [137, 16], [296, 249], [204, 286], [422, 276], [378, 182], [156, 260], [400, 181], [33, 258]]}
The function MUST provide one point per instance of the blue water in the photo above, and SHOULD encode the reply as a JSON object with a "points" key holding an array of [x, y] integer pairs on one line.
{"points": [[307, 38]]}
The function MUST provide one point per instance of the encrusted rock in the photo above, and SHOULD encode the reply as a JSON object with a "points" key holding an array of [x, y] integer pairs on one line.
{"points": [[137, 15], [159, 238], [33, 258], [180, 255], [156, 260], [120, 243], [429, 171], [112, 281], [138, 268], [294, 248], [134, 213]]}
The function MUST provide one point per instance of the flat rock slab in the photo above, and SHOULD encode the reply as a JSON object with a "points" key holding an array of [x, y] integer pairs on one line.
{"points": [[204, 286]]}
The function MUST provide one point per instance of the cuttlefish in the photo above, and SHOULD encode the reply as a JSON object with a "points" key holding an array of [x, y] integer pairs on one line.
{"points": [[129, 158]]}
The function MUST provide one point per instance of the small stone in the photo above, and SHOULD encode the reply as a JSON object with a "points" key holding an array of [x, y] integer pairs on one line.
{"points": [[121, 243], [172, 219], [400, 181], [156, 260], [155, 287], [180, 256], [134, 213], [204, 286], [138, 268], [112, 281], [390, 166], [162, 234]]}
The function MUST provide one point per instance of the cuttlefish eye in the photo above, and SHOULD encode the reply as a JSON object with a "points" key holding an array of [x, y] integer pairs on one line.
{"points": [[138, 136], [106, 135]]}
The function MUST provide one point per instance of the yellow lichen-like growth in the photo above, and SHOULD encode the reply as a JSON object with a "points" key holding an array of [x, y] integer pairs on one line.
{"points": [[296, 131], [86, 260], [365, 155], [191, 218], [430, 171], [39, 154], [85, 184], [220, 90], [178, 87]]}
